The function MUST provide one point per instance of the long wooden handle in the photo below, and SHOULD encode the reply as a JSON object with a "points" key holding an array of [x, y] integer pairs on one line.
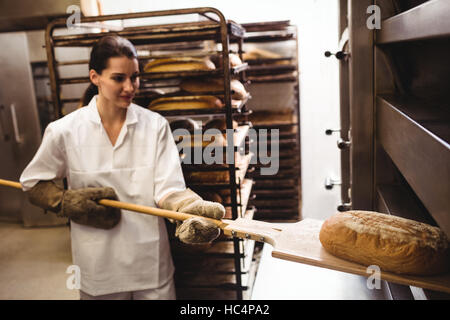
{"points": [[155, 211], [135, 207], [8, 183]]}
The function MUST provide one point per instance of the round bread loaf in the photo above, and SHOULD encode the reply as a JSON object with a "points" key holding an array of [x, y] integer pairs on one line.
{"points": [[392, 243], [179, 64]]}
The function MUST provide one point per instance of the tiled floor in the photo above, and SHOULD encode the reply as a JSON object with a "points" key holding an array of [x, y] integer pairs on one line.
{"points": [[33, 264]]}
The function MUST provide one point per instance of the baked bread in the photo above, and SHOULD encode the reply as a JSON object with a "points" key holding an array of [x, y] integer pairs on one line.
{"points": [[258, 53], [191, 141], [185, 103], [392, 243], [179, 64], [214, 85]]}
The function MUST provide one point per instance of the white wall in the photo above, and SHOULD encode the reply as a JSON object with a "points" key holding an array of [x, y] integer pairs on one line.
{"points": [[317, 22]]}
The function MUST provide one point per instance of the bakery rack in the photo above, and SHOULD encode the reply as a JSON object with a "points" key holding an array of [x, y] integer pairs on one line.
{"points": [[277, 197], [226, 268]]}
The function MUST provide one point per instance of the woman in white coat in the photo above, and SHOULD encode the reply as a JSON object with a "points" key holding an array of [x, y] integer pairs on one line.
{"points": [[115, 149]]}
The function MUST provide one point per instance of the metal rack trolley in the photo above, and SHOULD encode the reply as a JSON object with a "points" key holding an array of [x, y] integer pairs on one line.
{"points": [[278, 197]]}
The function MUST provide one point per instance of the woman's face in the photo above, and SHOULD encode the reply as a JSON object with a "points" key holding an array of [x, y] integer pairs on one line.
{"points": [[118, 83]]}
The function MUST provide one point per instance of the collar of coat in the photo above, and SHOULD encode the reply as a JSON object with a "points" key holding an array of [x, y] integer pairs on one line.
{"points": [[94, 116]]}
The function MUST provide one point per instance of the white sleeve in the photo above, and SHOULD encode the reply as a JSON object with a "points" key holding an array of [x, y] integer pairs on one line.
{"points": [[168, 174], [48, 163]]}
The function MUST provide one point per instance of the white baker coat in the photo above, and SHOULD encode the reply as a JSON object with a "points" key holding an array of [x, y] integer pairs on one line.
{"points": [[142, 167]]}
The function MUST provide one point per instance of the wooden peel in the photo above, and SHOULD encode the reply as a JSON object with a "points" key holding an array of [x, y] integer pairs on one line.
{"points": [[133, 207], [297, 242]]}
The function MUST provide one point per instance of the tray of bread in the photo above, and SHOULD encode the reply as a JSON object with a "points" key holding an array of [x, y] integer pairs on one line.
{"points": [[200, 96], [190, 67]]}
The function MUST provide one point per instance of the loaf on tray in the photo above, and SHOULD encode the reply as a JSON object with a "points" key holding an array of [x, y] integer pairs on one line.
{"points": [[392, 243], [179, 64], [214, 85], [185, 103], [261, 54]]}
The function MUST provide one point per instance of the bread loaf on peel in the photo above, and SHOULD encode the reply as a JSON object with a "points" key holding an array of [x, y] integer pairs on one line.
{"points": [[392, 243]]}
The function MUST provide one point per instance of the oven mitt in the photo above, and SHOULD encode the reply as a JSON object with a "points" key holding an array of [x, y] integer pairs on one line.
{"points": [[194, 230], [78, 205]]}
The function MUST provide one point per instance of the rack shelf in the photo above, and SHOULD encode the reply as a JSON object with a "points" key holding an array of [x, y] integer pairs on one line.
{"points": [[414, 24], [395, 199], [270, 38], [193, 31], [266, 26], [421, 156], [166, 75]]}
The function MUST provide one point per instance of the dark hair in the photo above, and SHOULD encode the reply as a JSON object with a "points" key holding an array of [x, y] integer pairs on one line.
{"points": [[105, 48]]}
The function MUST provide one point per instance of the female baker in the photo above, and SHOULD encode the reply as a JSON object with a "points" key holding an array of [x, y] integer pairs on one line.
{"points": [[114, 149]]}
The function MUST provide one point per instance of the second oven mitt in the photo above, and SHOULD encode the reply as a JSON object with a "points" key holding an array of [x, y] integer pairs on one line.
{"points": [[79, 205], [194, 230]]}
